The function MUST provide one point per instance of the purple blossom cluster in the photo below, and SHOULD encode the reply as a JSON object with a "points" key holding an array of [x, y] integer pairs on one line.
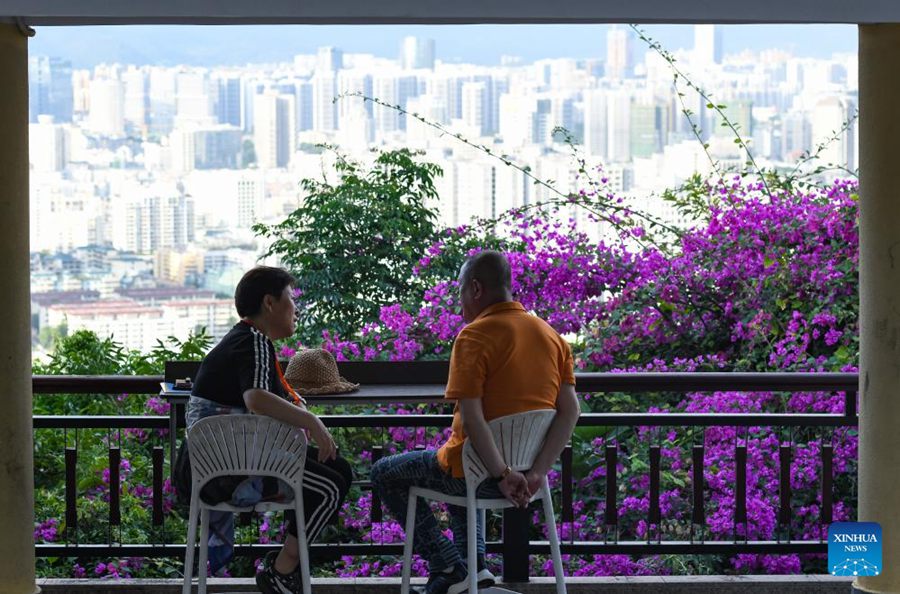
{"points": [[766, 283], [46, 531]]}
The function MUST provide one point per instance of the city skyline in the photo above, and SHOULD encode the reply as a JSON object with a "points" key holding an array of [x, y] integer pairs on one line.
{"points": [[148, 178], [208, 46]]}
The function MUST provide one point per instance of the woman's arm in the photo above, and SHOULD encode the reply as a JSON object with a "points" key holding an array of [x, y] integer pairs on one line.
{"points": [[263, 402]]}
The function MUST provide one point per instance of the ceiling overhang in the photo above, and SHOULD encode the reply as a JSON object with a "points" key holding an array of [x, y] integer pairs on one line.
{"points": [[237, 12]]}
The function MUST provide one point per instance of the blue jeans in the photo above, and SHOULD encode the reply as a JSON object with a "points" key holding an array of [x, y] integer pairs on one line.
{"points": [[391, 479]]}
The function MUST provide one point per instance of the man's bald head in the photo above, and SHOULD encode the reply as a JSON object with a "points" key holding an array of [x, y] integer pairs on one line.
{"points": [[491, 269]]}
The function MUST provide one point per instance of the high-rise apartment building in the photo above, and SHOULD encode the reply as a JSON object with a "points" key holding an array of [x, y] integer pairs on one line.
{"points": [[329, 59], [386, 87], [50, 88], [417, 53], [193, 99], [324, 90], [160, 218], [707, 44], [829, 116], [107, 109], [250, 194], [353, 82], [595, 123], [228, 100], [648, 126], [47, 145], [217, 147], [161, 113], [304, 94], [134, 81], [273, 129], [475, 108], [619, 126], [619, 53]]}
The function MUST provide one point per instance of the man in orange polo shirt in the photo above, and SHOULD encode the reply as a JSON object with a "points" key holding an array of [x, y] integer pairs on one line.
{"points": [[504, 361]]}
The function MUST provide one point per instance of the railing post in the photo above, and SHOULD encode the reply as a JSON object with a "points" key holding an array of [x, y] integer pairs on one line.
{"points": [[784, 491], [827, 491], [375, 511], [568, 513], [158, 485], [515, 544], [698, 514], [611, 515], [115, 515], [654, 515], [849, 404], [740, 490], [71, 494]]}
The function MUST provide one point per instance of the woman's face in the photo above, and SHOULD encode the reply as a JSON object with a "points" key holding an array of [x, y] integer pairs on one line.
{"points": [[283, 315]]}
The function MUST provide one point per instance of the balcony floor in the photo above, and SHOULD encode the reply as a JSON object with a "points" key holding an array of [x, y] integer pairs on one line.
{"points": [[790, 584]]}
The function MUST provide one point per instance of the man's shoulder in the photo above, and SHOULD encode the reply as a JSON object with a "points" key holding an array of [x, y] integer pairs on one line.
{"points": [[486, 329]]}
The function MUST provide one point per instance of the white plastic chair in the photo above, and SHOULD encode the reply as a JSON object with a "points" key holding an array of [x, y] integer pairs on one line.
{"points": [[519, 438], [250, 445]]}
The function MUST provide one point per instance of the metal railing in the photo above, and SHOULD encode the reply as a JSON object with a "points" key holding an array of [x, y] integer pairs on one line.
{"points": [[515, 545]]}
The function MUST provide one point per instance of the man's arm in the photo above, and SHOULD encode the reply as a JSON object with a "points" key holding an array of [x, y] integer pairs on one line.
{"points": [[263, 402], [567, 412], [513, 485]]}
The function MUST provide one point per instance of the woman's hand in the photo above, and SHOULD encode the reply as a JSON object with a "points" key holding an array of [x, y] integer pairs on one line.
{"points": [[324, 441]]}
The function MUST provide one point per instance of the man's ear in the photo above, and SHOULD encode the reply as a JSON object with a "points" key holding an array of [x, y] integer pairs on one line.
{"points": [[267, 302], [477, 289]]}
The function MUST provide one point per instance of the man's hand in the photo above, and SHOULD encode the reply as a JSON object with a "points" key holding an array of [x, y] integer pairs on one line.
{"points": [[323, 439], [535, 481], [515, 488]]}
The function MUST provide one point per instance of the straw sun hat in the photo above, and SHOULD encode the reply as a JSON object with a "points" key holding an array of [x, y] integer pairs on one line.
{"points": [[314, 371]]}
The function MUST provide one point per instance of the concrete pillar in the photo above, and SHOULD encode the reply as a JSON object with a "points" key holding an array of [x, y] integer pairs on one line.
{"points": [[879, 441], [16, 453]]}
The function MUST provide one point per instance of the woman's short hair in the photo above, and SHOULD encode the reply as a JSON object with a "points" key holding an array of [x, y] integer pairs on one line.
{"points": [[256, 284]]}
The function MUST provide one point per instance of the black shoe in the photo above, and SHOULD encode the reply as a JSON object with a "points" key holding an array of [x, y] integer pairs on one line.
{"points": [[271, 581], [485, 578], [442, 581]]}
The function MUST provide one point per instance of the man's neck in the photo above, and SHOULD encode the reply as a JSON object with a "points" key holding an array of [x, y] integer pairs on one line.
{"points": [[505, 298]]}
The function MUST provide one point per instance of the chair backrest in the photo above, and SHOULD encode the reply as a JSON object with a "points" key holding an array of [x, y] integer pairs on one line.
{"points": [[253, 445], [519, 438]]}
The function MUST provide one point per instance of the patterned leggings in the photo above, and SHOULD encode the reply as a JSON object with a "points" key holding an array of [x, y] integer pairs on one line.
{"points": [[391, 479]]}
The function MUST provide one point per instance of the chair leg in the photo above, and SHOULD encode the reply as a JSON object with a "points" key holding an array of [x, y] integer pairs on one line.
{"points": [[303, 545], [472, 542], [204, 551], [550, 520], [408, 545], [191, 542]]}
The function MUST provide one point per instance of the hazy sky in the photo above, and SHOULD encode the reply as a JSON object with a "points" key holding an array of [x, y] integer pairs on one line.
{"points": [[478, 44]]}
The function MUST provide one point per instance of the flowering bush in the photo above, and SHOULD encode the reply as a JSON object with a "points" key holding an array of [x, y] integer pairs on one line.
{"points": [[766, 283], [763, 282]]}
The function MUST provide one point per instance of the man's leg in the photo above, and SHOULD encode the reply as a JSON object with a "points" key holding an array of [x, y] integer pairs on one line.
{"points": [[487, 490], [459, 526], [393, 476]]}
